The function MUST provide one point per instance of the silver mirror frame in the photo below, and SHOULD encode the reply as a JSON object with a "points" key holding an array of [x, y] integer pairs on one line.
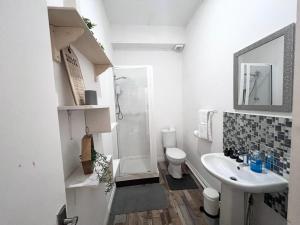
{"points": [[288, 71]]}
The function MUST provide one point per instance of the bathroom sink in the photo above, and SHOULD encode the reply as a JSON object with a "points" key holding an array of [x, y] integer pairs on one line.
{"points": [[236, 181], [229, 172]]}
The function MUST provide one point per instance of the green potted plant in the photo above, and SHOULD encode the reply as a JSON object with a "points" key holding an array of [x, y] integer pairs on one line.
{"points": [[91, 25], [102, 169]]}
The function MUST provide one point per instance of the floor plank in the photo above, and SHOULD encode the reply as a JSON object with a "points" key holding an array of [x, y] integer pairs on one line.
{"points": [[183, 207]]}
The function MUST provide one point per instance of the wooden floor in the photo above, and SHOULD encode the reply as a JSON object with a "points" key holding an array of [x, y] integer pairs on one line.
{"points": [[183, 208]]}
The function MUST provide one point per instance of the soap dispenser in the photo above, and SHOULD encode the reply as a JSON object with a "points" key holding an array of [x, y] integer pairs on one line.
{"points": [[226, 152]]}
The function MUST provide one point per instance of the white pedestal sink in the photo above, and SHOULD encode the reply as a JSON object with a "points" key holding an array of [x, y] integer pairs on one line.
{"points": [[236, 181]]}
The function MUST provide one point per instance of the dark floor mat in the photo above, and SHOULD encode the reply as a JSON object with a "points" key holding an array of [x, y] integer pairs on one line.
{"points": [[186, 182], [139, 198]]}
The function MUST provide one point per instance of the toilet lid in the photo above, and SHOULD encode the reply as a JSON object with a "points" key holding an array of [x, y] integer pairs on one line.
{"points": [[175, 153]]}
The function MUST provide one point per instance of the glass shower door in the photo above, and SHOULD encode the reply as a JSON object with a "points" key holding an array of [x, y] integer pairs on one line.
{"points": [[132, 112]]}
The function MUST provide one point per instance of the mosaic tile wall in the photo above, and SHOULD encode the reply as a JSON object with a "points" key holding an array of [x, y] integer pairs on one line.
{"points": [[270, 135], [278, 202]]}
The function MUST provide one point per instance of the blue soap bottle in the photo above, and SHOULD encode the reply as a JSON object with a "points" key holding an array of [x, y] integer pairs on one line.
{"points": [[256, 162]]}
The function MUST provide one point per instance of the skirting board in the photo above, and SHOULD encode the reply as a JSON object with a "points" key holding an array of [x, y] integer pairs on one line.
{"points": [[198, 176], [112, 195]]}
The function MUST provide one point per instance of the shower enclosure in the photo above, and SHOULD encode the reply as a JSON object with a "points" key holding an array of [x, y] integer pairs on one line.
{"points": [[256, 84], [136, 144]]}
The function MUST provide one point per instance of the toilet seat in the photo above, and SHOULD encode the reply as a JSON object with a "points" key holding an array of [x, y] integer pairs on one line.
{"points": [[175, 154]]}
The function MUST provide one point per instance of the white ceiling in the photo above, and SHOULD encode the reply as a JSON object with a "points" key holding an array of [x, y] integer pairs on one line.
{"points": [[151, 12]]}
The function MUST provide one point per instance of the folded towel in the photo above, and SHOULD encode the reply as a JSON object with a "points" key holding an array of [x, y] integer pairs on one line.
{"points": [[205, 124], [209, 126], [202, 126], [203, 116]]}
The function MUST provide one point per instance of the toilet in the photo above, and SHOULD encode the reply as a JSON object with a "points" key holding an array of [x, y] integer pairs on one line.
{"points": [[175, 156]]}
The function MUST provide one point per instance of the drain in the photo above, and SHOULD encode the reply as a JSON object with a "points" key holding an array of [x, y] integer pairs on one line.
{"points": [[233, 178]]}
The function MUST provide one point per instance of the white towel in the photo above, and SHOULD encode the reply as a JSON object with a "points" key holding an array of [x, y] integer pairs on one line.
{"points": [[205, 124], [209, 126]]}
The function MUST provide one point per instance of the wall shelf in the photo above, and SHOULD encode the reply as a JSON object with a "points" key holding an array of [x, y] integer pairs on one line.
{"points": [[97, 117], [67, 27], [78, 179], [81, 107]]}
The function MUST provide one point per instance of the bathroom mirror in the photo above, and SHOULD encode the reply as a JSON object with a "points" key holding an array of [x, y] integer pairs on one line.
{"points": [[263, 73]]}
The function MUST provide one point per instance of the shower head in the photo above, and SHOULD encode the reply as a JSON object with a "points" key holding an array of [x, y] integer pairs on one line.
{"points": [[118, 78]]}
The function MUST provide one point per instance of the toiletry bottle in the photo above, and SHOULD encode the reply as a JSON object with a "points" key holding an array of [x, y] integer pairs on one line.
{"points": [[233, 154], [256, 162], [226, 152], [268, 161], [246, 159]]}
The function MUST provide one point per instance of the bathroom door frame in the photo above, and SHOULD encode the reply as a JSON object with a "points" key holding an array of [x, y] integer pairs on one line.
{"points": [[153, 149]]}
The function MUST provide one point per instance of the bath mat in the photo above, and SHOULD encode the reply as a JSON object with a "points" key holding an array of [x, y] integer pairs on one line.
{"points": [[139, 198], [187, 182]]}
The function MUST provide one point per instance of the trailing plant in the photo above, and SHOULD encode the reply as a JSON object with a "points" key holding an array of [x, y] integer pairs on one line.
{"points": [[102, 169], [91, 25]]}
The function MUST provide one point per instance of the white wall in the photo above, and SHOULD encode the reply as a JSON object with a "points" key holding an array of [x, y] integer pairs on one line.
{"points": [[294, 194], [216, 32], [167, 86], [147, 34], [32, 183]]}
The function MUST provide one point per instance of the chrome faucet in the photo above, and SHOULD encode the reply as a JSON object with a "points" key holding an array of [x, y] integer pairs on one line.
{"points": [[243, 158]]}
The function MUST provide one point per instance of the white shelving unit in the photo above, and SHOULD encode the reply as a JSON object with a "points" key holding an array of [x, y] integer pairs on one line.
{"points": [[81, 107], [67, 27], [97, 117], [78, 179], [116, 164]]}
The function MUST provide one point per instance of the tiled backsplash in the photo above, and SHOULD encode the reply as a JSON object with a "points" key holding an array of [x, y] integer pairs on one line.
{"points": [[264, 133], [268, 134], [278, 202]]}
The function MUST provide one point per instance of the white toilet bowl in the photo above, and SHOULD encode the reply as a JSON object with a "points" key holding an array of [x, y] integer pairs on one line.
{"points": [[175, 157]]}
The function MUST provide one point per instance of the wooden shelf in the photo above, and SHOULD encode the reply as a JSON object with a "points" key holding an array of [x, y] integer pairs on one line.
{"points": [[67, 27], [81, 107], [97, 117], [78, 179]]}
